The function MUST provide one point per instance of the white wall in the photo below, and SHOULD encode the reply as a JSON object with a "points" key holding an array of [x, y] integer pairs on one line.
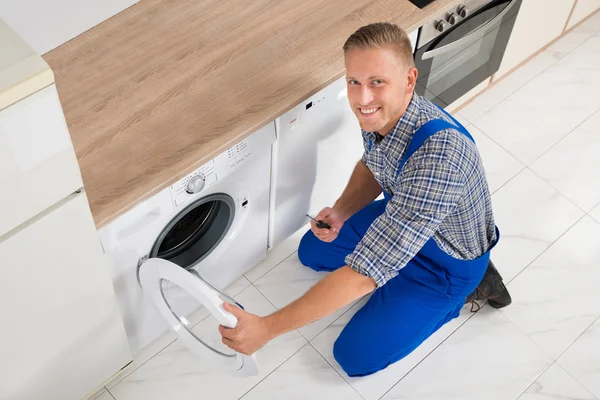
{"points": [[46, 24]]}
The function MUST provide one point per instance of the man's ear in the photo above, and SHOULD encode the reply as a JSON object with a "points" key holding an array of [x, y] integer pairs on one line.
{"points": [[411, 79]]}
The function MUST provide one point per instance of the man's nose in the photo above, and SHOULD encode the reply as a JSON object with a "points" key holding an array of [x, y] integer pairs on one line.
{"points": [[366, 96]]}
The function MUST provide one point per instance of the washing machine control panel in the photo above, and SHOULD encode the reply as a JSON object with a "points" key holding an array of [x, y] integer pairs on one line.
{"points": [[238, 153], [182, 190], [209, 173]]}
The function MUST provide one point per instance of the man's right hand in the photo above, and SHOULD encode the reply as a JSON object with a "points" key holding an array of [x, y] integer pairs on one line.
{"points": [[333, 218]]}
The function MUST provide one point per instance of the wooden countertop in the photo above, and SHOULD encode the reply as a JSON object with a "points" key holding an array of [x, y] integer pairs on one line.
{"points": [[164, 86]]}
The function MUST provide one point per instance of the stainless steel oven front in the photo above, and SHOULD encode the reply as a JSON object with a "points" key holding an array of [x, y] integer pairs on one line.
{"points": [[463, 48]]}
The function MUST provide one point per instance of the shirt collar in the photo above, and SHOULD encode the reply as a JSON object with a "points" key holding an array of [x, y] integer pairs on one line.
{"points": [[404, 128]]}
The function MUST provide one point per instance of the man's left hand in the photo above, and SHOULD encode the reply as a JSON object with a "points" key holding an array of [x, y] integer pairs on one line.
{"points": [[250, 334]]}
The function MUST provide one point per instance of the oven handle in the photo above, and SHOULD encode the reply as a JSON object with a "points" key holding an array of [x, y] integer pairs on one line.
{"points": [[471, 37]]}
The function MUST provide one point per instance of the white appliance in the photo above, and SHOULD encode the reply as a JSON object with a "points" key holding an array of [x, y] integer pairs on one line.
{"points": [[319, 143], [62, 335], [170, 253]]}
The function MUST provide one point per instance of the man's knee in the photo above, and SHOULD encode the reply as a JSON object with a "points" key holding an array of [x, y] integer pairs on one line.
{"points": [[319, 255], [355, 359], [358, 358], [306, 249]]}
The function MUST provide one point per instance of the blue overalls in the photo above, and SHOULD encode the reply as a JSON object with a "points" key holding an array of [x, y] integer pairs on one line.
{"points": [[428, 292]]}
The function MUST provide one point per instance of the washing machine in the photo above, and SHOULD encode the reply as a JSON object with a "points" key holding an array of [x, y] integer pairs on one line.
{"points": [[181, 247]]}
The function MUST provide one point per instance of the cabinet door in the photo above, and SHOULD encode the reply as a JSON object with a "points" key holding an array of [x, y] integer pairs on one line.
{"points": [[62, 335], [582, 9], [38, 166], [538, 23], [45, 25]]}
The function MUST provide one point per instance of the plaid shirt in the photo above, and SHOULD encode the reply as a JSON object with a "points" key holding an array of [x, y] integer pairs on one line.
{"points": [[441, 192]]}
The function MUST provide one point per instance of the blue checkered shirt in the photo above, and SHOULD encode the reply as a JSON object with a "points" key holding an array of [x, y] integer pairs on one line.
{"points": [[441, 192]]}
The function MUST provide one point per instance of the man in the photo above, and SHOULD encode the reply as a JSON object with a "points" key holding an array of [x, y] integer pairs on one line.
{"points": [[422, 251]]}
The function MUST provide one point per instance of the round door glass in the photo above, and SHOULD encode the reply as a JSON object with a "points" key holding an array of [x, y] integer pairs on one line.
{"points": [[194, 318]]}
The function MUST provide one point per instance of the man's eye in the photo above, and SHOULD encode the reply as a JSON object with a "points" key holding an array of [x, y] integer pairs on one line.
{"points": [[378, 81], [353, 82]]}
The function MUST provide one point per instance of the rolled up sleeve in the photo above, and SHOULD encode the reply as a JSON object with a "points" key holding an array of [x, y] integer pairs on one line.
{"points": [[424, 195]]}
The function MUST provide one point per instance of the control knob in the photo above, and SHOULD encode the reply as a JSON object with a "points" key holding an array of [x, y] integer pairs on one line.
{"points": [[452, 18], [440, 26], [195, 184], [463, 12]]}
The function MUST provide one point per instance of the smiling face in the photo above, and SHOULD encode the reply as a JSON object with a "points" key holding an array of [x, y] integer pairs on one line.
{"points": [[379, 86]]}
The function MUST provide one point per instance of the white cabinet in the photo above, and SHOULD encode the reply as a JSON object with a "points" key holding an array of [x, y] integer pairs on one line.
{"points": [[62, 334], [318, 145], [537, 24], [38, 166], [48, 24], [582, 9]]}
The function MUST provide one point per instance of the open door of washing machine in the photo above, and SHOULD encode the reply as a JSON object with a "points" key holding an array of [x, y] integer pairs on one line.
{"points": [[153, 273]]}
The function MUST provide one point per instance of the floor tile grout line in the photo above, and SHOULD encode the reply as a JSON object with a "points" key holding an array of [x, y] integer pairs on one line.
{"points": [[121, 379], [536, 379], [431, 352], [593, 113], [557, 190], [499, 145], [571, 375], [310, 341], [543, 251], [274, 369], [272, 268], [578, 337], [557, 364], [529, 338], [505, 183], [592, 209], [335, 369]]}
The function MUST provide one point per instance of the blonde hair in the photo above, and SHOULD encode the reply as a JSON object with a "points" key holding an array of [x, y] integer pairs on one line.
{"points": [[382, 35]]}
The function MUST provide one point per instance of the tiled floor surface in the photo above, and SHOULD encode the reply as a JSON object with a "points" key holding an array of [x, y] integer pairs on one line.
{"points": [[539, 134]]}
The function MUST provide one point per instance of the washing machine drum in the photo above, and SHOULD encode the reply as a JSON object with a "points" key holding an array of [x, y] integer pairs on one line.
{"points": [[197, 230], [153, 273]]}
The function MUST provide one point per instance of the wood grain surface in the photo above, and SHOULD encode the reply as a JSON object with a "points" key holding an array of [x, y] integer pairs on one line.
{"points": [[164, 86]]}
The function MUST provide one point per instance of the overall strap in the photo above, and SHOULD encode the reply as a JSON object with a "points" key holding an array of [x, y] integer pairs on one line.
{"points": [[458, 124], [429, 129]]}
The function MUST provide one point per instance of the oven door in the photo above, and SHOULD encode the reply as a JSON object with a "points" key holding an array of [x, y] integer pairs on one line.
{"points": [[455, 62]]}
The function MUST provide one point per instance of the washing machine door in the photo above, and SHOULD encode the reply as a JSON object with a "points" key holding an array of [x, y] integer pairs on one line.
{"points": [[153, 273]]}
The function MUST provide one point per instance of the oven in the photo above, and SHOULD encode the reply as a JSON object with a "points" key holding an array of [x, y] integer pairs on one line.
{"points": [[463, 48]]}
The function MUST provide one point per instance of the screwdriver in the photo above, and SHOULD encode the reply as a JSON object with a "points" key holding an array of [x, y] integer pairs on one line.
{"points": [[320, 224]]}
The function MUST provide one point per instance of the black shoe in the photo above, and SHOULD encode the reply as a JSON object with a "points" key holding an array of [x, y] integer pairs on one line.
{"points": [[491, 289]]}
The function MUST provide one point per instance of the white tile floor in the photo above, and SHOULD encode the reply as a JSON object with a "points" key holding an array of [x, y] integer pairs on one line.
{"points": [[539, 135]]}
